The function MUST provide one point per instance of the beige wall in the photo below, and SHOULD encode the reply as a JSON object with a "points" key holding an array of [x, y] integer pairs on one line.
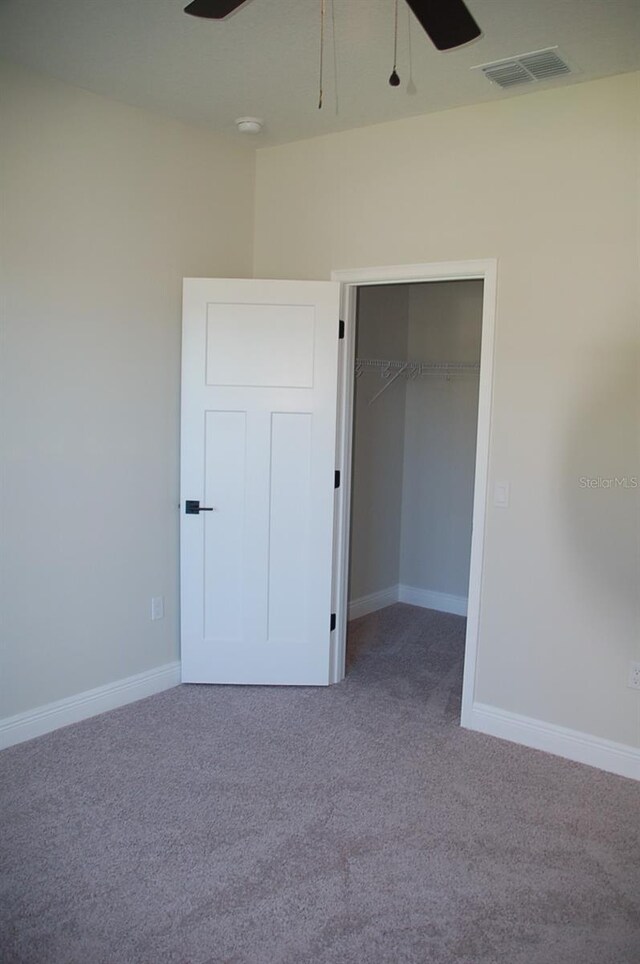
{"points": [[548, 184], [445, 322], [104, 209], [378, 443]]}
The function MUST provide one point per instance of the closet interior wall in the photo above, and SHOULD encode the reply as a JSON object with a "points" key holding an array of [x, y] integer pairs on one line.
{"points": [[382, 331], [414, 447]]}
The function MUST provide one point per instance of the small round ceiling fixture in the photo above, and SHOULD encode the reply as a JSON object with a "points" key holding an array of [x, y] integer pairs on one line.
{"points": [[249, 125]]}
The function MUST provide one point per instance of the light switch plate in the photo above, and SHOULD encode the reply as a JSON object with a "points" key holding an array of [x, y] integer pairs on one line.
{"points": [[501, 494]]}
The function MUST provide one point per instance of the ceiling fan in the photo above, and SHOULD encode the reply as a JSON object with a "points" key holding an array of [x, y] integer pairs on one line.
{"points": [[448, 23]]}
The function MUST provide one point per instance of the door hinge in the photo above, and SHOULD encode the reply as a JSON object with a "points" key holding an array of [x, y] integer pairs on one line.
{"points": [[341, 329], [336, 479], [333, 622]]}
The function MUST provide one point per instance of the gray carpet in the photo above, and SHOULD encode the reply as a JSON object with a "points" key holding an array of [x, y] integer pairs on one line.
{"points": [[351, 825]]}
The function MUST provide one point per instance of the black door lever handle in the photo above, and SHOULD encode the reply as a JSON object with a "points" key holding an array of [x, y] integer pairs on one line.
{"points": [[193, 507]]}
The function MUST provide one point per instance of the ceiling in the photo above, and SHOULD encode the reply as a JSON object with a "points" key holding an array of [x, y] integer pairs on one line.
{"points": [[263, 61]]}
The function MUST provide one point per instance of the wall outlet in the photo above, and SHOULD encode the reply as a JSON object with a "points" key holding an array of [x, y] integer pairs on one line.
{"points": [[634, 676], [157, 607]]}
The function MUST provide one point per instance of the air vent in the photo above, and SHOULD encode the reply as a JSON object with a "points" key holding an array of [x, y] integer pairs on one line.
{"points": [[526, 68], [544, 64], [508, 74]]}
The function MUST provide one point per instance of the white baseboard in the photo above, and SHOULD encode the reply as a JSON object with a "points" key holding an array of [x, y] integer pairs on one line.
{"points": [[573, 745], [44, 719], [371, 603], [441, 601]]}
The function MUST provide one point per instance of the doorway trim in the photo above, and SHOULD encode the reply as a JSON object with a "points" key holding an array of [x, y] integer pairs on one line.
{"points": [[350, 280]]}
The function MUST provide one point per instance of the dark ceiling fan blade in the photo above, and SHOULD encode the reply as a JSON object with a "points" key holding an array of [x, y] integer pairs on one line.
{"points": [[447, 22], [213, 9]]}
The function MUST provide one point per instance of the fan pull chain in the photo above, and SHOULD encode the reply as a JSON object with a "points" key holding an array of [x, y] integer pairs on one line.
{"points": [[322, 12], [335, 53], [394, 80], [411, 87]]}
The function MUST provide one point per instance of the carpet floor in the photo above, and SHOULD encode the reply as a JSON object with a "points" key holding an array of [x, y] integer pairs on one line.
{"points": [[357, 824]]}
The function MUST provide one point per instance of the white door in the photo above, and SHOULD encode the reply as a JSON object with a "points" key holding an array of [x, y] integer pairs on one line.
{"points": [[259, 396]]}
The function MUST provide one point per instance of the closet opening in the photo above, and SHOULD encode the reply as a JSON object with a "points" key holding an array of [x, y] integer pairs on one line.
{"points": [[416, 368]]}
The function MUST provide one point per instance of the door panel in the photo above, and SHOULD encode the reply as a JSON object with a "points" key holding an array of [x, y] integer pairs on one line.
{"points": [[259, 399], [225, 469], [289, 526], [260, 345]]}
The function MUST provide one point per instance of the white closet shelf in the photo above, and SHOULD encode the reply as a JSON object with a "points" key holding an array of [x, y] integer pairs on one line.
{"points": [[391, 369], [387, 367]]}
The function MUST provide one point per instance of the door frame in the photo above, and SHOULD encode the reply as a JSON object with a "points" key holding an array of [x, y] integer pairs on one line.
{"points": [[350, 280]]}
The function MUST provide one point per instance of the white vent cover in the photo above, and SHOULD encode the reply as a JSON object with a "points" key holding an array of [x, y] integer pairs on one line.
{"points": [[526, 68]]}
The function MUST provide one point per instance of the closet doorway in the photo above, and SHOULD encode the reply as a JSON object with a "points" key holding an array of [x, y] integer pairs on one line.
{"points": [[416, 413]]}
